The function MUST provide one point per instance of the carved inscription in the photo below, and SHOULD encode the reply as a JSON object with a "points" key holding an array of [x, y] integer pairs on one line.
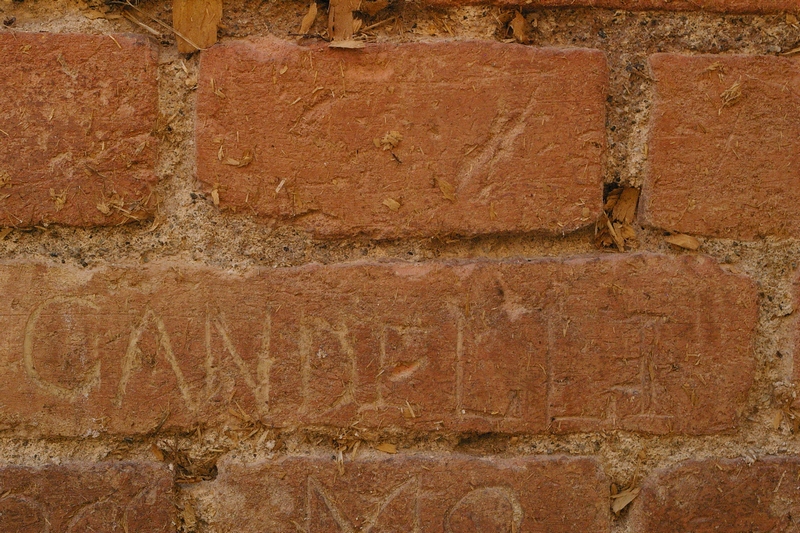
{"points": [[415, 493], [80, 498], [579, 345]]}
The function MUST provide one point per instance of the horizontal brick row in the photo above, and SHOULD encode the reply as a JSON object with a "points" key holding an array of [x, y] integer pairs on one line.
{"points": [[404, 139], [720, 6], [722, 147], [421, 491], [444, 493], [640, 342], [398, 140], [80, 497], [432, 493], [76, 144]]}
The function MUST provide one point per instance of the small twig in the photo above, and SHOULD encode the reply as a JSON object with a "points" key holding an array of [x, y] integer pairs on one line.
{"points": [[115, 41], [638, 72], [378, 24], [133, 19], [167, 26]]}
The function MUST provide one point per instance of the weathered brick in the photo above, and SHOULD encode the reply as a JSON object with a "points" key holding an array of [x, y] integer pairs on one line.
{"points": [[720, 495], [86, 497], [722, 6], [420, 492], [76, 120], [495, 137], [639, 342], [724, 146]]}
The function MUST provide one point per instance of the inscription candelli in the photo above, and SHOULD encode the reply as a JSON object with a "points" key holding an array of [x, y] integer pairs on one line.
{"points": [[508, 348]]}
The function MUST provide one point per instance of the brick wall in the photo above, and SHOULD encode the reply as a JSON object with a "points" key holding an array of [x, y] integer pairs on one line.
{"points": [[511, 266]]}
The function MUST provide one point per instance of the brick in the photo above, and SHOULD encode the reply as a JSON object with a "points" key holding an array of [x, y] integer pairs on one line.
{"points": [[638, 342], [85, 497], [715, 495], [721, 6], [495, 137], [76, 120], [795, 367], [420, 492], [724, 170]]}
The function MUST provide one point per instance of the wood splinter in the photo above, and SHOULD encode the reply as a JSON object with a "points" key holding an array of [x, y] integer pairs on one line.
{"points": [[196, 23]]}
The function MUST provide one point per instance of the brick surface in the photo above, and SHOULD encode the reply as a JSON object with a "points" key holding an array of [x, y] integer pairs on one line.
{"points": [[495, 137], [721, 495], [720, 164], [641, 342], [432, 493], [721, 6], [133, 497], [76, 120]]}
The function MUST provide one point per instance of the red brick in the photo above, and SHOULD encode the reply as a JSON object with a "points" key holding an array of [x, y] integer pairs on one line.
{"points": [[721, 495], [638, 342], [722, 6], [134, 497], [76, 124], [430, 492], [796, 326], [724, 171], [516, 132]]}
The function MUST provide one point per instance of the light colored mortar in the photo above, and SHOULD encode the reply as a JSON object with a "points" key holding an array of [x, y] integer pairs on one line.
{"points": [[190, 229]]}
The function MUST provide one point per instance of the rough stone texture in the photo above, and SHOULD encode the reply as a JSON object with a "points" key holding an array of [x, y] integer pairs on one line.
{"points": [[421, 492], [132, 497], [724, 169], [721, 495], [76, 120], [643, 342], [495, 137], [722, 6]]}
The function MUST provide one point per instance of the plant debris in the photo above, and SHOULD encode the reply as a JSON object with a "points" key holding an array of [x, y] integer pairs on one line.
{"points": [[730, 96], [447, 189], [614, 227], [105, 206], [391, 203], [308, 19], [195, 23], [390, 141], [59, 199], [341, 23], [520, 28], [623, 208], [186, 468], [386, 447], [785, 397], [683, 241], [246, 159], [621, 500]]}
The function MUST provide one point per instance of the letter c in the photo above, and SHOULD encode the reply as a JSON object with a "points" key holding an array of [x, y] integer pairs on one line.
{"points": [[91, 377]]}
